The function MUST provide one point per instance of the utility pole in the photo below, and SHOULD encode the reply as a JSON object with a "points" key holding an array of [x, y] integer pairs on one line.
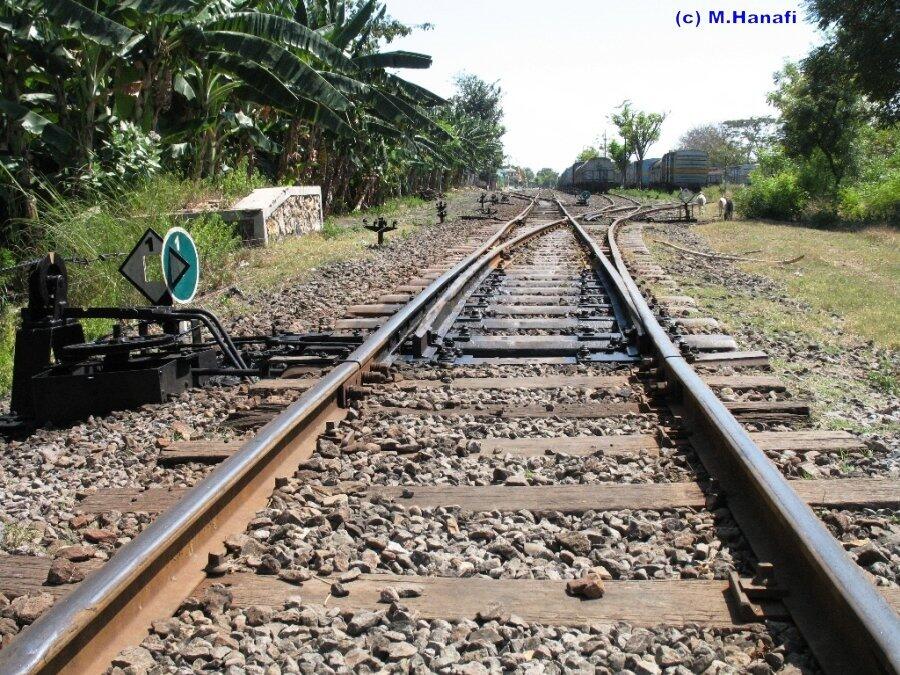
{"points": [[605, 151]]}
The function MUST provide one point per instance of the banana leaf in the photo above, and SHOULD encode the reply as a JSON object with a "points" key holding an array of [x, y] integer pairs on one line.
{"points": [[393, 60]]}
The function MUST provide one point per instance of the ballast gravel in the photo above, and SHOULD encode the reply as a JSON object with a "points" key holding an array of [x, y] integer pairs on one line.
{"points": [[209, 635], [800, 360], [44, 476]]}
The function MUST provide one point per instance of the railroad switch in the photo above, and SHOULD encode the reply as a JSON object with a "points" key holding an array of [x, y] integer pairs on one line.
{"points": [[59, 377], [380, 227]]}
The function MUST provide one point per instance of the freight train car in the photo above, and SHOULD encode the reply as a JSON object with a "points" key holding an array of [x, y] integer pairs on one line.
{"points": [[597, 175], [739, 174], [655, 173], [631, 173], [566, 180], [683, 169]]}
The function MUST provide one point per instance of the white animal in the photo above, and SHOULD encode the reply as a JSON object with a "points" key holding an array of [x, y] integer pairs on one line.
{"points": [[701, 200], [726, 208]]}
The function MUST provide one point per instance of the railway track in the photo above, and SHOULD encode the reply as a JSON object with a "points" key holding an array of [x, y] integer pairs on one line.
{"points": [[516, 435]]}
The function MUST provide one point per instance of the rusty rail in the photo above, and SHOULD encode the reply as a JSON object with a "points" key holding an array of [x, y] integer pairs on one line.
{"points": [[149, 577], [848, 624]]}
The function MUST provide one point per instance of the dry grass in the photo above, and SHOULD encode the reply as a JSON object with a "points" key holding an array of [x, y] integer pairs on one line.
{"points": [[852, 274], [342, 238]]}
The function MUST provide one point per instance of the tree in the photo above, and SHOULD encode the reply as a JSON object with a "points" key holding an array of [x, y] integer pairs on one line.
{"points": [[477, 108], [546, 178], [864, 41], [754, 135], [618, 153], [304, 90], [820, 115], [639, 129], [589, 152], [715, 141]]}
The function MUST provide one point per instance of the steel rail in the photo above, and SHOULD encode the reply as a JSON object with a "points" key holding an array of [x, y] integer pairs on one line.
{"points": [[150, 576], [425, 334], [607, 268], [846, 621]]}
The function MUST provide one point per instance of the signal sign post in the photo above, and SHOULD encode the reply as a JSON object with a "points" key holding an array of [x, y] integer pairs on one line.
{"points": [[180, 265]]}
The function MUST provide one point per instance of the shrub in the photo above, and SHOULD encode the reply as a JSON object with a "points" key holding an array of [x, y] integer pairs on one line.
{"points": [[238, 181], [126, 155], [216, 241], [778, 196], [872, 201]]}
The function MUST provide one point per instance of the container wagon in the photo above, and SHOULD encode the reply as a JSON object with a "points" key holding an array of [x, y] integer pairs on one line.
{"points": [[566, 180], [683, 169], [655, 173], [631, 173], [739, 174], [715, 176], [597, 175]]}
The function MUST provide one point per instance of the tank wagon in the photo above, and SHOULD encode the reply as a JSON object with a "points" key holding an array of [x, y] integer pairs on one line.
{"points": [[631, 173], [683, 169]]}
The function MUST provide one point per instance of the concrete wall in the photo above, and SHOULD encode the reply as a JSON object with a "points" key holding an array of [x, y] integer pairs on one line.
{"points": [[271, 214]]}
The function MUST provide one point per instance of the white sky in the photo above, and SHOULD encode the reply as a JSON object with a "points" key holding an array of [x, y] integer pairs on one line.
{"points": [[565, 65]]}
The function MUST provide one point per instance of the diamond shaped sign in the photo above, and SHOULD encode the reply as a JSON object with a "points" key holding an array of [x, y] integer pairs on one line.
{"points": [[144, 257]]}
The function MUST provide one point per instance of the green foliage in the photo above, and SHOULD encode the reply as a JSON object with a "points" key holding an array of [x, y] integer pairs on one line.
{"points": [[777, 196], [640, 129], [110, 90], [885, 377], [7, 339], [473, 118], [109, 221], [589, 152], [619, 154], [649, 194], [875, 196], [126, 156], [217, 241], [331, 230], [716, 141], [239, 181], [753, 135], [878, 201], [820, 114], [863, 39], [546, 177]]}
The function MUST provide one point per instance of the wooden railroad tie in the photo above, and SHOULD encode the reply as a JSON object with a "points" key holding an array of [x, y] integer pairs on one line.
{"points": [[620, 445], [839, 492]]}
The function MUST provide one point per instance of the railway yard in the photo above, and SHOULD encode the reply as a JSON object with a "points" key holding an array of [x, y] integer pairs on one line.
{"points": [[537, 454]]}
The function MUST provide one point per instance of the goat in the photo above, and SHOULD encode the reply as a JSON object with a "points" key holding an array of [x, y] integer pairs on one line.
{"points": [[701, 201], [726, 208]]}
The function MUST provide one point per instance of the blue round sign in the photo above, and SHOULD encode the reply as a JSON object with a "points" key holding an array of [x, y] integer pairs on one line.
{"points": [[180, 265]]}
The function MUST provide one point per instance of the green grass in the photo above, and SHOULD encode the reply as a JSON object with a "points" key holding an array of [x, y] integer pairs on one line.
{"points": [[113, 222], [885, 378], [847, 288], [15, 535], [646, 195], [341, 238], [853, 274]]}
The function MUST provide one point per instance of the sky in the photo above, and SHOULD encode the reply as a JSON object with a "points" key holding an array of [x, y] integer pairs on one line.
{"points": [[564, 65]]}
